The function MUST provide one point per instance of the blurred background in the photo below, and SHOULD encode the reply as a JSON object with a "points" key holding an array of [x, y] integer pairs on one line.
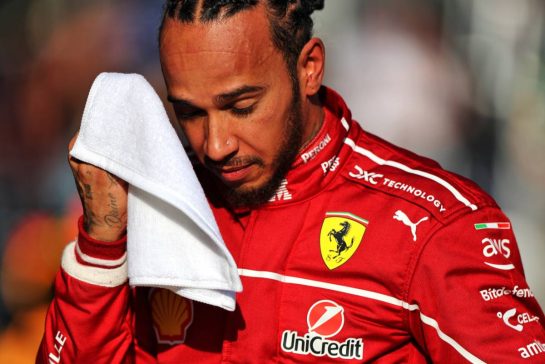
{"points": [[460, 81]]}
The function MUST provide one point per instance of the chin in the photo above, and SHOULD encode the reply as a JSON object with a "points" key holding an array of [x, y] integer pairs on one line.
{"points": [[254, 194], [250, 186]]}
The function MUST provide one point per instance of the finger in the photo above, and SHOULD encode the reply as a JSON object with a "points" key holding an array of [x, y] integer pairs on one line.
{"points": [[72, 141], [71, 160], [74, 162]]}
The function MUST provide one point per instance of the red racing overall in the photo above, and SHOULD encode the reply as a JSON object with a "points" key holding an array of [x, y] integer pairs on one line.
{"points": [[366, 252]]}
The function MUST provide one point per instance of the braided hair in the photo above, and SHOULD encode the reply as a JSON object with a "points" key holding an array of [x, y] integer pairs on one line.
{"points": [[290, 20]]}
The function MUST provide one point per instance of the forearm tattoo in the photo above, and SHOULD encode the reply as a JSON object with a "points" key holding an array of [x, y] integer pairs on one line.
{"points": [[112, 219]]}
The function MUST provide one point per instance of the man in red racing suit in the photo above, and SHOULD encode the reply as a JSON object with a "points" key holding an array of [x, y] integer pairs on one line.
{"points": [[366, 252]]}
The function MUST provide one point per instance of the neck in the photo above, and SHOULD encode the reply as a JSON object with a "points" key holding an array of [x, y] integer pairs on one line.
{"points": [[314, 117]]}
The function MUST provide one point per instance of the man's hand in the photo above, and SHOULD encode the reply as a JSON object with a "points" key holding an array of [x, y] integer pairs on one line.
{"points": [[103, 197]]}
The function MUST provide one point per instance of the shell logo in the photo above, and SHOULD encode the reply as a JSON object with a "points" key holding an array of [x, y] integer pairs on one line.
{"points": [[325, 318], [172, 315]]}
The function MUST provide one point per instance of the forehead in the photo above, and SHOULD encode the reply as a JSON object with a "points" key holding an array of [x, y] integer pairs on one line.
{"points": [[216, 54]]}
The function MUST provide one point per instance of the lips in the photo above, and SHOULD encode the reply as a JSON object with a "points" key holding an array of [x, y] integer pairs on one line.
{"points": [[235, 174]]}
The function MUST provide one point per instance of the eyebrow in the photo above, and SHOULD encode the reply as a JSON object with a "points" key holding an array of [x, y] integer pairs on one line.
{"points": [[224, 98], [174, 100], [228, 96]]}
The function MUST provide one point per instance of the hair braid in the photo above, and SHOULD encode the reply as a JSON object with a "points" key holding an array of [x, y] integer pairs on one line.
{"points": [[290, 20], [291, 27], [182, 10], [212, 8]]}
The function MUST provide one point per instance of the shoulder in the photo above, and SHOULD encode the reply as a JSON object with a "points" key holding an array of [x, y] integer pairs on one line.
{"points": [[403, 175]]}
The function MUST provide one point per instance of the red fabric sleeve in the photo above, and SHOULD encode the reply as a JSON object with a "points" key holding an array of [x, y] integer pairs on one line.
{"points": [[87, 323], [90, 319], [469, 300]]}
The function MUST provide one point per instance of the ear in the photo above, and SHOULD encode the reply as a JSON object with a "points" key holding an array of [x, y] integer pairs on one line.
{"points": [[311, 66]]}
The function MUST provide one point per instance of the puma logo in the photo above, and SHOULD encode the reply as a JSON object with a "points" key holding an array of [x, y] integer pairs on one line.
{"points": [[401, 216]]}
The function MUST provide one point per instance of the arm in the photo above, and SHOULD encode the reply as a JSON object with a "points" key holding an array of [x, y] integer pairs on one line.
{"points": [[90, 319], [470, 300]]}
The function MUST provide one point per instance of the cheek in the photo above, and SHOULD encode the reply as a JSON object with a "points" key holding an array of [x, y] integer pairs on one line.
{"points": [[267, 134]]}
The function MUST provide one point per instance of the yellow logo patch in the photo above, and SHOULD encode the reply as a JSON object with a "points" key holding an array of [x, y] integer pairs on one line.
{"points": [[172, 315], [340, 237]]}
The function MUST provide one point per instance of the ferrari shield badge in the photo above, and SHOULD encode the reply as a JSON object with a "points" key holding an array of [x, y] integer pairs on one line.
{"points": [[340, 237]]}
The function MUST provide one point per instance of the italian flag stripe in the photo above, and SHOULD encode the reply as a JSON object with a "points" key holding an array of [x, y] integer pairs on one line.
{"points": [[348, 215], [492, 225]]}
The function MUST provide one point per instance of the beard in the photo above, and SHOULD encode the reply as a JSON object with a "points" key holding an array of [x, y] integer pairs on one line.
{"points": [[249, 197]]}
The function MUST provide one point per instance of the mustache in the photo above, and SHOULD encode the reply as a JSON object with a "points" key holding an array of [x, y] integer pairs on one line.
{"points": [[233, 162]]}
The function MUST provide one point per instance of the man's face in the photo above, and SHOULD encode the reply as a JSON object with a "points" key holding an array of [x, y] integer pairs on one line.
{"points": [[234, 100]]}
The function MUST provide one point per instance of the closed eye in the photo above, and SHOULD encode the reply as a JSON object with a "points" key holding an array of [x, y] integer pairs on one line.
{"points": [[243, 111], [185, 112]]}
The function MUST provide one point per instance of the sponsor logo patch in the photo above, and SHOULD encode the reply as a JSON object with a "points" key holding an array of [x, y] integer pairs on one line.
{"points": [[316, 150], [55, 356], [172, 315], [282, 193], [493, 248], [330, 165], [340, 237], [493, 293], [515, 320], [401, 216], [325, 319], [532, 349], [369, 177], [374, 178]]}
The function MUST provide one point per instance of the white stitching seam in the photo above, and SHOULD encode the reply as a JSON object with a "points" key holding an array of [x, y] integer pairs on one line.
{"points": [[367, 294], [407, 169]]}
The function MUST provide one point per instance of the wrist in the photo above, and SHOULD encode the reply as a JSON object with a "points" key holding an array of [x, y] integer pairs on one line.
{"points": [[101, 232], [103, 249]]}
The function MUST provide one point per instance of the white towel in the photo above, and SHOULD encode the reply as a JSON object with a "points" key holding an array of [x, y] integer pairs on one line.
{"points": [[172, 238]]}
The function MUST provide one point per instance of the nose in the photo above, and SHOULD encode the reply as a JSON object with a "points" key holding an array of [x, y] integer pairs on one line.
{"points": [[219, 142]]}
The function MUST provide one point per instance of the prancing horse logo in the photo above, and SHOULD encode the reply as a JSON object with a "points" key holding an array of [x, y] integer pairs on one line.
{"points": [[340, 237]]}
